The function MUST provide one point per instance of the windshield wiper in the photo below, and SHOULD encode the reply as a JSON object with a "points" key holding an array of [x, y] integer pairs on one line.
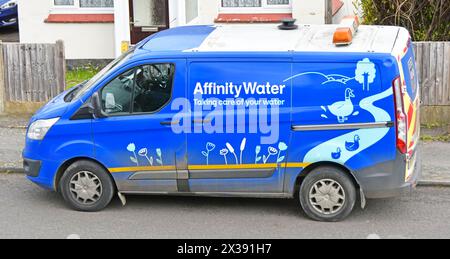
{"points": [[69, 97]]}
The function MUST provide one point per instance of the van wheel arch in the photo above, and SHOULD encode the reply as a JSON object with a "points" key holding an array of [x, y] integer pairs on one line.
{"points": [[306, 171], [70, 162]]}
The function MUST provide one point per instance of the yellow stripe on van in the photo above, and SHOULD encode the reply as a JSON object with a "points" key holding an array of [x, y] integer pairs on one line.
{"points": [[141, 168], [207, 167]]}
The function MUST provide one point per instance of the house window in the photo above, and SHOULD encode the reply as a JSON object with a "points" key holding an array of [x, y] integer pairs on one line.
{"points": [[256, 6], [81, 11], [85, 3], [191, 10], [241, 3], [64, 2], [278, 2]]}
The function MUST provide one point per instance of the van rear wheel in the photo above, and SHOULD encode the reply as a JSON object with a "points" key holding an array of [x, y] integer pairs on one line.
{"points": [[86, 186], [327, 194]]}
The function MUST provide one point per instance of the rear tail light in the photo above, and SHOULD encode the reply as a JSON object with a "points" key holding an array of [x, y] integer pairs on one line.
{"points": [[401, 118]]}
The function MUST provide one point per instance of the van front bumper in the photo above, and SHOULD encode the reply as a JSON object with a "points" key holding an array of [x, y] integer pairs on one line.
{"points": [[40, 171], [32, 167]]}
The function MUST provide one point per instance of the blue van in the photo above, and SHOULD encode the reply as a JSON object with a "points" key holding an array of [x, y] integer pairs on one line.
{"points": [[8, 13], [239, 111]]}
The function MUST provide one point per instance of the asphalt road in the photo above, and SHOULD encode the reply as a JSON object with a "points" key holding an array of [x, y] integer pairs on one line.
{"points": [[26, 211]]}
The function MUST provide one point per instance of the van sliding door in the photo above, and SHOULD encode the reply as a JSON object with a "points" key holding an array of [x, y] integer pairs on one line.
{"points": [[240, 126]]}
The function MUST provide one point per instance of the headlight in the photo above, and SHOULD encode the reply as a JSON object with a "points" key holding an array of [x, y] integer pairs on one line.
{"points": [[9, 4], [39, 128]]}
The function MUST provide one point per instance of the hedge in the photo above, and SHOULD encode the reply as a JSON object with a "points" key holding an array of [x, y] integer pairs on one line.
{"points": [[427, 20]]}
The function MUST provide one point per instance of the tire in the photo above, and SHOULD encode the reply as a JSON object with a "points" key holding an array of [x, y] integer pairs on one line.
{"points": [[317, 205], [99, 187]]}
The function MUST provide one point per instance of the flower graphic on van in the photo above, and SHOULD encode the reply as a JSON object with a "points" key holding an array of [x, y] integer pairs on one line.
{"points": [[272, 152], [365, 73], [144, 153], [242, 148], [257, 151], [132, 148], [231, 149], [224, 153], [281, 147], [209, 148], [159, 160]]}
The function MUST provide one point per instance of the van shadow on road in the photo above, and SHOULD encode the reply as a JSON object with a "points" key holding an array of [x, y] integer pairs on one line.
{"points": [[218, 205]]}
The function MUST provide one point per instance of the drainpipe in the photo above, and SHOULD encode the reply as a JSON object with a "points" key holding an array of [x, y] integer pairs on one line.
{"points": [[2, 81], [328, 11], [122, 35]]}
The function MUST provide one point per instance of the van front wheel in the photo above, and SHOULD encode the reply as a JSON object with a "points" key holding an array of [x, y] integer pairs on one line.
{"points": [[86, 186], [327, 194]]}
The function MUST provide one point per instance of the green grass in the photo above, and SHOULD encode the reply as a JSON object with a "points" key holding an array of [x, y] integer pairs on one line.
{"points": [[441, 138], [80, 74], [432, 125]]}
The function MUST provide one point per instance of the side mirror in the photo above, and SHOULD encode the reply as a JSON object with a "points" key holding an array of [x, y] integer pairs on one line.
{"points": [[96, 106]]}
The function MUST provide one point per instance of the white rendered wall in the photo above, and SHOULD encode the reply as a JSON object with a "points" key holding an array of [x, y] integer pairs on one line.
{"points": [[82, 41], [309, 11], [208, 11]]}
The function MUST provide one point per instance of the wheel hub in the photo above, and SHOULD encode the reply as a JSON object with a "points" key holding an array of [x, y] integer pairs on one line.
{"points": [[327, 197], [85, 187]]}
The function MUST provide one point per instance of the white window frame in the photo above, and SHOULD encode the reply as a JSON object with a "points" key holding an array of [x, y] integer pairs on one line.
{"points": [[265, 8], [77, 9]]}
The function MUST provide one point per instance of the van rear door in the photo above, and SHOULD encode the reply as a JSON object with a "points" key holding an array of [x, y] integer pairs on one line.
{"points": [[411, 97], [404, 53]]}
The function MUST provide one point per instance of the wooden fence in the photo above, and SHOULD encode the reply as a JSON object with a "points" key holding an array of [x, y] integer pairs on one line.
{"points": [[433, 69], [33, 72]]}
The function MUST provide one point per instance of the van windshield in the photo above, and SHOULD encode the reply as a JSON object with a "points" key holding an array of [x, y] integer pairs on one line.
{"points": [[104, 72]]}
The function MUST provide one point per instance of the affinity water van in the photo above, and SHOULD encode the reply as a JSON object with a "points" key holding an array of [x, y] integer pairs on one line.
{"points": [[328, 114]]}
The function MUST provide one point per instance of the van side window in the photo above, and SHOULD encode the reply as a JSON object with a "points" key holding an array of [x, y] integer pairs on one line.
{"points": [[153, 88], [116, 96], [144, 89]]}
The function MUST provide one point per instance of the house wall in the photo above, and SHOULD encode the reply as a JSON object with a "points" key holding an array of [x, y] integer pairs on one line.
{"points": [[348, 9], [82, 41], [105, 40], [208, 11], [309, 12]]}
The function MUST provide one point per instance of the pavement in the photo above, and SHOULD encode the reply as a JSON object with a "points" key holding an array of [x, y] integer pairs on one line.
{"points": [[28, 211], [12, 141], [436, 165]]}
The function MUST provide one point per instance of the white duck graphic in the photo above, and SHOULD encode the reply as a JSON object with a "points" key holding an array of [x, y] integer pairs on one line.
{"points": [[345, 108]]}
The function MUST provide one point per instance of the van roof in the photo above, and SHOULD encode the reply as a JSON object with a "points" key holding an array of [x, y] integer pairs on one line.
{"points": [[268, 38]]}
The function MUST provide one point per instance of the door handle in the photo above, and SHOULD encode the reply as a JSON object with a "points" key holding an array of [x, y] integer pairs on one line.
{"points": [[169, 123]]}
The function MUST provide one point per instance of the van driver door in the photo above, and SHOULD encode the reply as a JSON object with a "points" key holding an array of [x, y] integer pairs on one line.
{"points": [[135, 140]]}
